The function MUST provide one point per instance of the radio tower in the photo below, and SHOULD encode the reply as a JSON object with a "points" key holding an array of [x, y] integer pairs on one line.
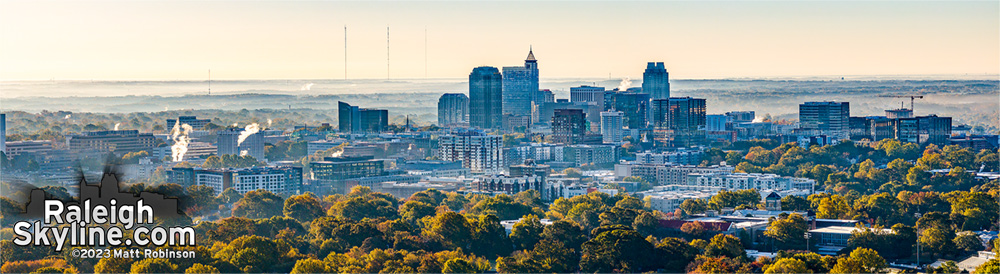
{"points": [[209, 81], [387, 52], [345, 52]]}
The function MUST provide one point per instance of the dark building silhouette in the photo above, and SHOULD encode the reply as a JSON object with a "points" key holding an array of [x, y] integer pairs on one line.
{"points": [[485, 98]]}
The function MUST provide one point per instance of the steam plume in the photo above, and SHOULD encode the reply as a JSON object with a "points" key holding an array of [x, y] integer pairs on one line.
{"points": [[337, 154], [625, 84], [116, 125], [249, 130], [307, 86], [180, 136]]}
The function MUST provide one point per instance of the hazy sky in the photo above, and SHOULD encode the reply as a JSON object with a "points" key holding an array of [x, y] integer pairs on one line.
{"points": [[305, 40]]}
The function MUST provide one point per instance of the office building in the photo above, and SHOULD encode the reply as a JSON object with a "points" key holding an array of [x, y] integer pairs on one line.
{"points": [[252, 145], [825, 118], [741, 116], [3, 132], [280, 180], [679, 122], [656, 81], [193, 121], [568, 126], [716, 122], [898, 113], [922, 129], [485, 98], [353, 119], [453, 109], [545, 96], [637, 106], [742, 181], [580, 155], [543, 113], [678, 157], [195, 150], [588, 94], [478, 152], [119, 142], [341, 168], [612, 125], [516, 122], [529, 168], [520, 86]]}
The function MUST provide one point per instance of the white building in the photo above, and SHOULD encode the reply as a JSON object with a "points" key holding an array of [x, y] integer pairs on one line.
{"points": [[679, 157], [716, 122], [669, 198], [478, 152], [611, 127], [286, 180], [740, 181]]}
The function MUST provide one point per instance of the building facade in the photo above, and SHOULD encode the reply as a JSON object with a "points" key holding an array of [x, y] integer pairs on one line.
{"points": [[453, 109], [353, 119], [825, 118], [485, 98], [478, 152], [568, 126], [656, 81], [612, 125], [520, 86], [119, 142]]}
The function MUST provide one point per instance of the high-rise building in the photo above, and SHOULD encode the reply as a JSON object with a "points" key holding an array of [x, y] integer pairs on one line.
{"points": [[353, 119], [281, 180], [898, 113], [679, 121], [568, 126], [588, 94], [637, 105], [741, 116], [478, 152], [192, 121], [520, 86], [516, 123], [485, 98], [545, 96], [656, 81], [453, 109], [118, 141], [3, 132], [611, 127], [825, 118], [716, 122], [252, 145]]}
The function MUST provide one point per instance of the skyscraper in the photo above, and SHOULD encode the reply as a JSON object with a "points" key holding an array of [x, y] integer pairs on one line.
{"points": [[825, 118], [485, 98], [656, 81], [679, 121], [637, 105], [569, 126], [478, 152], [228, 143], [3, 132], [588, 94], [353, 119], [611, 127], [520, 86], [453, 109]]}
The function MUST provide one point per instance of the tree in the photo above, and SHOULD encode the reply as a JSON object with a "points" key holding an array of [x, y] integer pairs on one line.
{"points": [[565, 232], [490, 238], [200, 268], [259, 204], [451, 228], [302, 208], [788, 232], [787, 265], [646, 223], [229, 196], [572, 173], [412, 211], [948, 267], [861, 260], [991, 266], [546, 257], [674, 254], [968, 242], [620, 250], [153, 265], [113, 265], [938, 240], [461, 265], [725, 245], [794, 203], [833, 207], [694, 206], [695, 229], [527, 232], [201, 197], [310, 265]]}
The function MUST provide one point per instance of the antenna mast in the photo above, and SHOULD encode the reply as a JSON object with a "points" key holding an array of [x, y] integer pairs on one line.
{"points": [[345, 52], [387, 52], [209, 81], [425, 52]]}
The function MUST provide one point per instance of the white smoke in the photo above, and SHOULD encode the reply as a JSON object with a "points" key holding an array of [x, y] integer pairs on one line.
{"points": [[116, 125], [243, 153], [268, 123], [758, 119], [67, 116], [307, 86], [235, 124], [337, 154], [180, 136], [625, 84], [251, 129]]}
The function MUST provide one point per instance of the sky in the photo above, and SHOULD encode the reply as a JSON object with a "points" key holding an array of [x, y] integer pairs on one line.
{"points": [[183, 40]]}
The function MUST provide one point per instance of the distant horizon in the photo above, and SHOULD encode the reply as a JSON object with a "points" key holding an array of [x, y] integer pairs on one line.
{"points": [[966, 76]]}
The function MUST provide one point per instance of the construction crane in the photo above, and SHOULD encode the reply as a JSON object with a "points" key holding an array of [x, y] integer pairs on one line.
{"points": [[905, 96]]}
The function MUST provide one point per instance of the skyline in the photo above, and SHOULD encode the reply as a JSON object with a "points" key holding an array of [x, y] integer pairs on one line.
{"points": [[304, 40]]}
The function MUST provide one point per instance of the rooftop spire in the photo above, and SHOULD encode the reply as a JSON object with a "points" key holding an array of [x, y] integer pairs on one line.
{"points": [[531, 56]]}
